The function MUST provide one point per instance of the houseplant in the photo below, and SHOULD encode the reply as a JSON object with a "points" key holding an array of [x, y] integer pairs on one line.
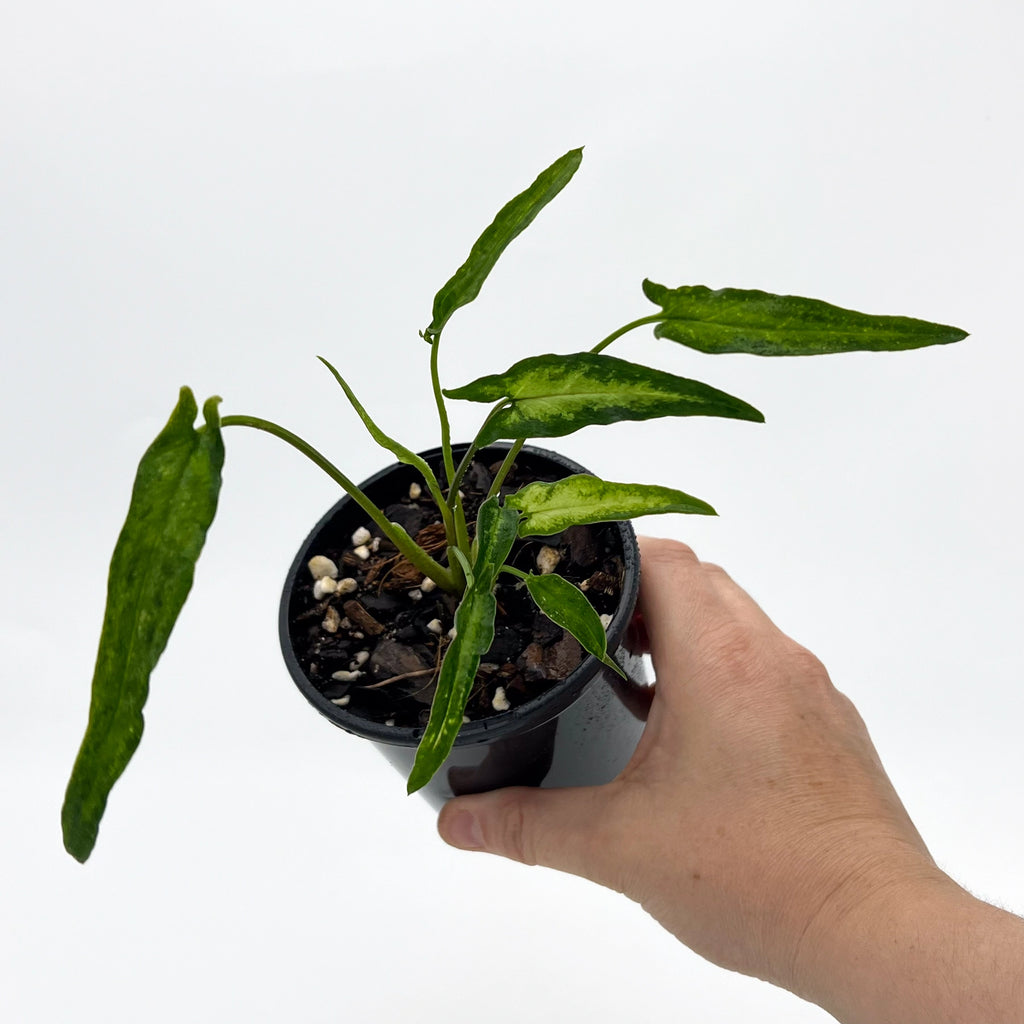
{"points": [[176, 489]]}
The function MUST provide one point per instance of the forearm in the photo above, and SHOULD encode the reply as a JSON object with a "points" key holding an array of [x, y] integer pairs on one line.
{"points": [[930, 954]]}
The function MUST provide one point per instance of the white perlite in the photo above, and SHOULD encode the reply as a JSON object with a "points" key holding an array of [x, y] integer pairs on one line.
{"points": [[362, 552], [547, 559], [361, 658], [341, 701], [345, 677], [347, 586], [415, 594], [500, 701], [606, 620], [332, 620], [427, 585], [435, 627], [361, 536], [389, 721], [320, 566], [324, 586], [415, 491], [452, 633]]}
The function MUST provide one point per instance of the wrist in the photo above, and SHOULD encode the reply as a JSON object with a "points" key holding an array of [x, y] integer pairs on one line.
{"points": [[915, 948]]}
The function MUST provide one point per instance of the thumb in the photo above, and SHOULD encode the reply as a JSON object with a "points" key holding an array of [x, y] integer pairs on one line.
{"points": [[556, 828]]}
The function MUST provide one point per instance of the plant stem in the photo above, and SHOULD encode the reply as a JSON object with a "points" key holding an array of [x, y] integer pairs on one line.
{"points": [[510, 458], [427, 565], [461, 531], [400, 452], [514, 571], [652, 319], [474, 446], [442, 412]]}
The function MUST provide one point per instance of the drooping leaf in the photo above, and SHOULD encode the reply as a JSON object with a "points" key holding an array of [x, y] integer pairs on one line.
{"points": [[513, 218], [172, 505], [551, 395], [759, 323], [582, 498], [474, 634], [569, 608]]}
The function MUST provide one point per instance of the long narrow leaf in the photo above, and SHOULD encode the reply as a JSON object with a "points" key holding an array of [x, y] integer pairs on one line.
{"points": [[474, 634], [396, 448], [513, 218], [551, 395], [580, 499], [759, 323], [568, 607], [173, 503]]}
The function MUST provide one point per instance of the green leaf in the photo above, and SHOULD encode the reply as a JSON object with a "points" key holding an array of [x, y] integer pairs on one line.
{"points": [[513, 218], [474, 633], [568, 607], [172, 505], [496, 529], [576, 500], [737, 320], [550, 396]]}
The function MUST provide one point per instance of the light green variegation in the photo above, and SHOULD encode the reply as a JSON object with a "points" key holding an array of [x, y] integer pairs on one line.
{"points": [[550, 396], [738, 320], [581, 499], [173, 503], [565, 605], [178, 482]]}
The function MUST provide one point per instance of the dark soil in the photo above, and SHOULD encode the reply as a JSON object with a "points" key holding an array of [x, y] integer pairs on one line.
{"points": [[383, 632]]}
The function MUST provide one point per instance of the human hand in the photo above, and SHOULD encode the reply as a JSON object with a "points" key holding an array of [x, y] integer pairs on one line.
{"points": [[755, 820]]}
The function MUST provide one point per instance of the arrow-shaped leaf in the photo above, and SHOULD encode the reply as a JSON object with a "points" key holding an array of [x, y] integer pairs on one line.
{"points": [[759, 323], [474, 634], [173, 503], [567, 606], [575, 500], [551, 395], [512, 219]]}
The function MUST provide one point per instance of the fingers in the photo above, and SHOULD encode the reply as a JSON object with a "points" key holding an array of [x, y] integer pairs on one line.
{"points": [[674, 597]]}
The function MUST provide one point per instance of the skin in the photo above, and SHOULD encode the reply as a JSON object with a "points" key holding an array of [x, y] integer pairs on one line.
{"points": [[756, 823]]}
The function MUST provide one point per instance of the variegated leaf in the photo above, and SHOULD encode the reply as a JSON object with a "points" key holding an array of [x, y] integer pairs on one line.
{"points": [[552, 395], [582, 498], [759, 323]]}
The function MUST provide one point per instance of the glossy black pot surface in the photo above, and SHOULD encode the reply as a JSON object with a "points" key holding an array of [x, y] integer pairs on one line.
{"points": [[581, 731]]}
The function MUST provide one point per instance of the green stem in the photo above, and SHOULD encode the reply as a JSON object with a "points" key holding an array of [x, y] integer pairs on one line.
{"points": [[510, 458], [400, 452], [474, 445], [458, 516], [442, 412], [514, 571], [652, 319], [427, 565]]}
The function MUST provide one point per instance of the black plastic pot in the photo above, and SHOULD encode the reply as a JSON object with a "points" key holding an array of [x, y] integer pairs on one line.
{"points": [[581, 731]]}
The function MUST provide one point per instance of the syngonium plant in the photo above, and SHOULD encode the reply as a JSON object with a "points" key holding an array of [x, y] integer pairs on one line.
{"points": [[176, 488]]}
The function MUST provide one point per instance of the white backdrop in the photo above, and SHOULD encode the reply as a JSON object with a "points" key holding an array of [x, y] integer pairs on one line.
{"points": [[213, 193]]}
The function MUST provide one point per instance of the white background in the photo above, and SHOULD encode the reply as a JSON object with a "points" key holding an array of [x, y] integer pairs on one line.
{"points": [[213, 193]]}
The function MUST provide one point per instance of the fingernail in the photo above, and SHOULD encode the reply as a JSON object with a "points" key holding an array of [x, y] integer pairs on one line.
{"points": [[464, 831]]}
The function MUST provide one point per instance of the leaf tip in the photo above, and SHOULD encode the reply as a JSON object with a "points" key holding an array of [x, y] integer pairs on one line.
{"points": [[211, 412], [79, 841], [613, 664]]}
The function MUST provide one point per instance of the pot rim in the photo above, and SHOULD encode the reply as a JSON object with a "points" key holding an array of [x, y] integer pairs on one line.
{"points": [[519, 719]]}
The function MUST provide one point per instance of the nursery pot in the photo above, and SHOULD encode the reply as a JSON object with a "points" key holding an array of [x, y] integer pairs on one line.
{"points": [[580, 731]]}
